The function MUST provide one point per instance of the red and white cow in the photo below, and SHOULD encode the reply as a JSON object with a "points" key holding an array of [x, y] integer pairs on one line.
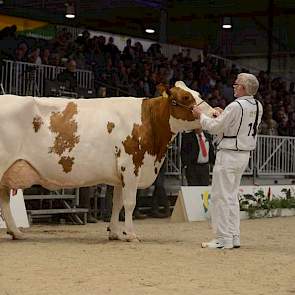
{"points": [[67, 143]]}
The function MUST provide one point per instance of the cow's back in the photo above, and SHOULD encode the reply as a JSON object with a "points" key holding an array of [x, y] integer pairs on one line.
{"points": [[64, 139]]}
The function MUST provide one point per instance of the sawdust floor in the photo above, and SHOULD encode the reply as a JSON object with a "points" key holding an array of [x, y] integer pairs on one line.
{"points": [[72, 260]]}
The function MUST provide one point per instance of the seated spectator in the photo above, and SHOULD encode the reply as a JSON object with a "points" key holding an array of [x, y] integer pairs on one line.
{"points": [[69, 77], [128, 53], [45, 56], [154, 50], [34, 56], [83, 39], [189, 79], [215, 99], [138, 52], [7, 42], [227, 90], [268, 125], [21, 52], [291, 88], [291, 124], [282, 120], [113, 51], [79, 56], [140, 89], [54, 59]]}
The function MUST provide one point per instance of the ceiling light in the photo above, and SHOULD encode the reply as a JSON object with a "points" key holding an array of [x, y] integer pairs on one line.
{"points": [[150, 31], [1, 2], [226, 22], [226, 26], [70, 10]]}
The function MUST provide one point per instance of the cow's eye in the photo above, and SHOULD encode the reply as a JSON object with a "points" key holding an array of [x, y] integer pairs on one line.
{"points": [[186, 97]]}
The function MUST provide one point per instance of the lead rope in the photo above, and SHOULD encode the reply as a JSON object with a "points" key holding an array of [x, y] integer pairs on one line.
{"points": [[176, 103]]}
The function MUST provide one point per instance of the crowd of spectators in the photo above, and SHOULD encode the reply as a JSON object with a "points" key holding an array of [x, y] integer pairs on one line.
{"points": [[137, 72]]}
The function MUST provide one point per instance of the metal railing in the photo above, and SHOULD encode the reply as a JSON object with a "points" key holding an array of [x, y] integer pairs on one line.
{"points": [[173, 160], [274, 156], [22, 78]]}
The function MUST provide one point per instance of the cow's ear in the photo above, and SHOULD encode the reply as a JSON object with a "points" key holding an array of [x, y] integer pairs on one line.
{"points": [[165, 94], [162, 89]]}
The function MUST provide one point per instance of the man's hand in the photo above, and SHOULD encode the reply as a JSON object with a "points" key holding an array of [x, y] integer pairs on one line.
{"points": [[217, 111], [196, 112]]}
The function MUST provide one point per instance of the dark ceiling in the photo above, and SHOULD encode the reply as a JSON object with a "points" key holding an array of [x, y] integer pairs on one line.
{"points": [[189, 22]]}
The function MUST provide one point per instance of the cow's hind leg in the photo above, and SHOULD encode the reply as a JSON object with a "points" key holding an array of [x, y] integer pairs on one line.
{"points": [[7, 215], [129, 202], [114, 227]]}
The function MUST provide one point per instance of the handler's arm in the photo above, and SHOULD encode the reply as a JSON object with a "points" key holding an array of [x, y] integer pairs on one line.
{"points": [[217, 125]]}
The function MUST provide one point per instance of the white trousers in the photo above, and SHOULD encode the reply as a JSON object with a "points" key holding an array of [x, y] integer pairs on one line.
{"points": [[225, 210]]}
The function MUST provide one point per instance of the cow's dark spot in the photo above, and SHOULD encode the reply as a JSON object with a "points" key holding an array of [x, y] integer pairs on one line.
{"points": [[117, 152], [156, 170], [67, 163], [65, 127], [152, 135], [110, 127], [37, 122], [122, 180], [132, 147]]}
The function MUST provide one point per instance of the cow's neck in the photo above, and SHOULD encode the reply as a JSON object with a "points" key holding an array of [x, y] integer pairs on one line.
{"points": [[156, 115]]}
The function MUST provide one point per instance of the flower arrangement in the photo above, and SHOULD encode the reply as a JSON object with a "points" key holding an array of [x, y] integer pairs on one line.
{"points": [[266, 202]]}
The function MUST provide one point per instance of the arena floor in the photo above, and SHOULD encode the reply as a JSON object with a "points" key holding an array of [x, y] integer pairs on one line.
{"points": [[72, 260]]}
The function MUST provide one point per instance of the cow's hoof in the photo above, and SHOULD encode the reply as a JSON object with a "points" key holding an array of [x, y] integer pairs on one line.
{"points": [[133, 240], [130, 237], [16, 235], [113, 237]]}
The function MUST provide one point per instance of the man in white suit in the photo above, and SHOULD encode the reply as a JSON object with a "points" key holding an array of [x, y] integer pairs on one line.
{"points": [[236, 128]]}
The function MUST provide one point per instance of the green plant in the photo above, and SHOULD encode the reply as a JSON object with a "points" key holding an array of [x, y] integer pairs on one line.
{"points": [[260, 201]]}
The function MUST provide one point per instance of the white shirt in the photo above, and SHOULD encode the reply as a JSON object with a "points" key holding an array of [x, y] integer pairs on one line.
{"points": [[235, 121]]}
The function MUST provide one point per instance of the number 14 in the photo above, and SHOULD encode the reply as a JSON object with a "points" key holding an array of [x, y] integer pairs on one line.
{"points": [[250, 125]]}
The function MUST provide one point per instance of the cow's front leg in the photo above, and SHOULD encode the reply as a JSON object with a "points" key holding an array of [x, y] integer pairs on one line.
{"points": [[129, 202], [7, 215], [115, 232]]}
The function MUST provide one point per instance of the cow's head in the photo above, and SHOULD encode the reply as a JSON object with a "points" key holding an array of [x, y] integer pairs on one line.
{"points": [[182, 99], [204, 106]]}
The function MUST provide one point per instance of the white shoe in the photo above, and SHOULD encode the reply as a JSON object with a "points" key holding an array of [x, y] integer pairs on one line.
{"points": [[216, 244], [236, 241]]}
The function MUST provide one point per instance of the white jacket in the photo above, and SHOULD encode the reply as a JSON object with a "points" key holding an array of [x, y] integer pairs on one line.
{"points": [[235, 125]]}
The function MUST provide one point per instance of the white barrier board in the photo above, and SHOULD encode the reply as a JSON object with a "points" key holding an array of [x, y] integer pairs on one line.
{"points": [[18, 210], [193, 202]]}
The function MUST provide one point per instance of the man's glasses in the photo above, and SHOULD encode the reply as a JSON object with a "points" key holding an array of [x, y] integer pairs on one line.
{"points": [[236, 84]]}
